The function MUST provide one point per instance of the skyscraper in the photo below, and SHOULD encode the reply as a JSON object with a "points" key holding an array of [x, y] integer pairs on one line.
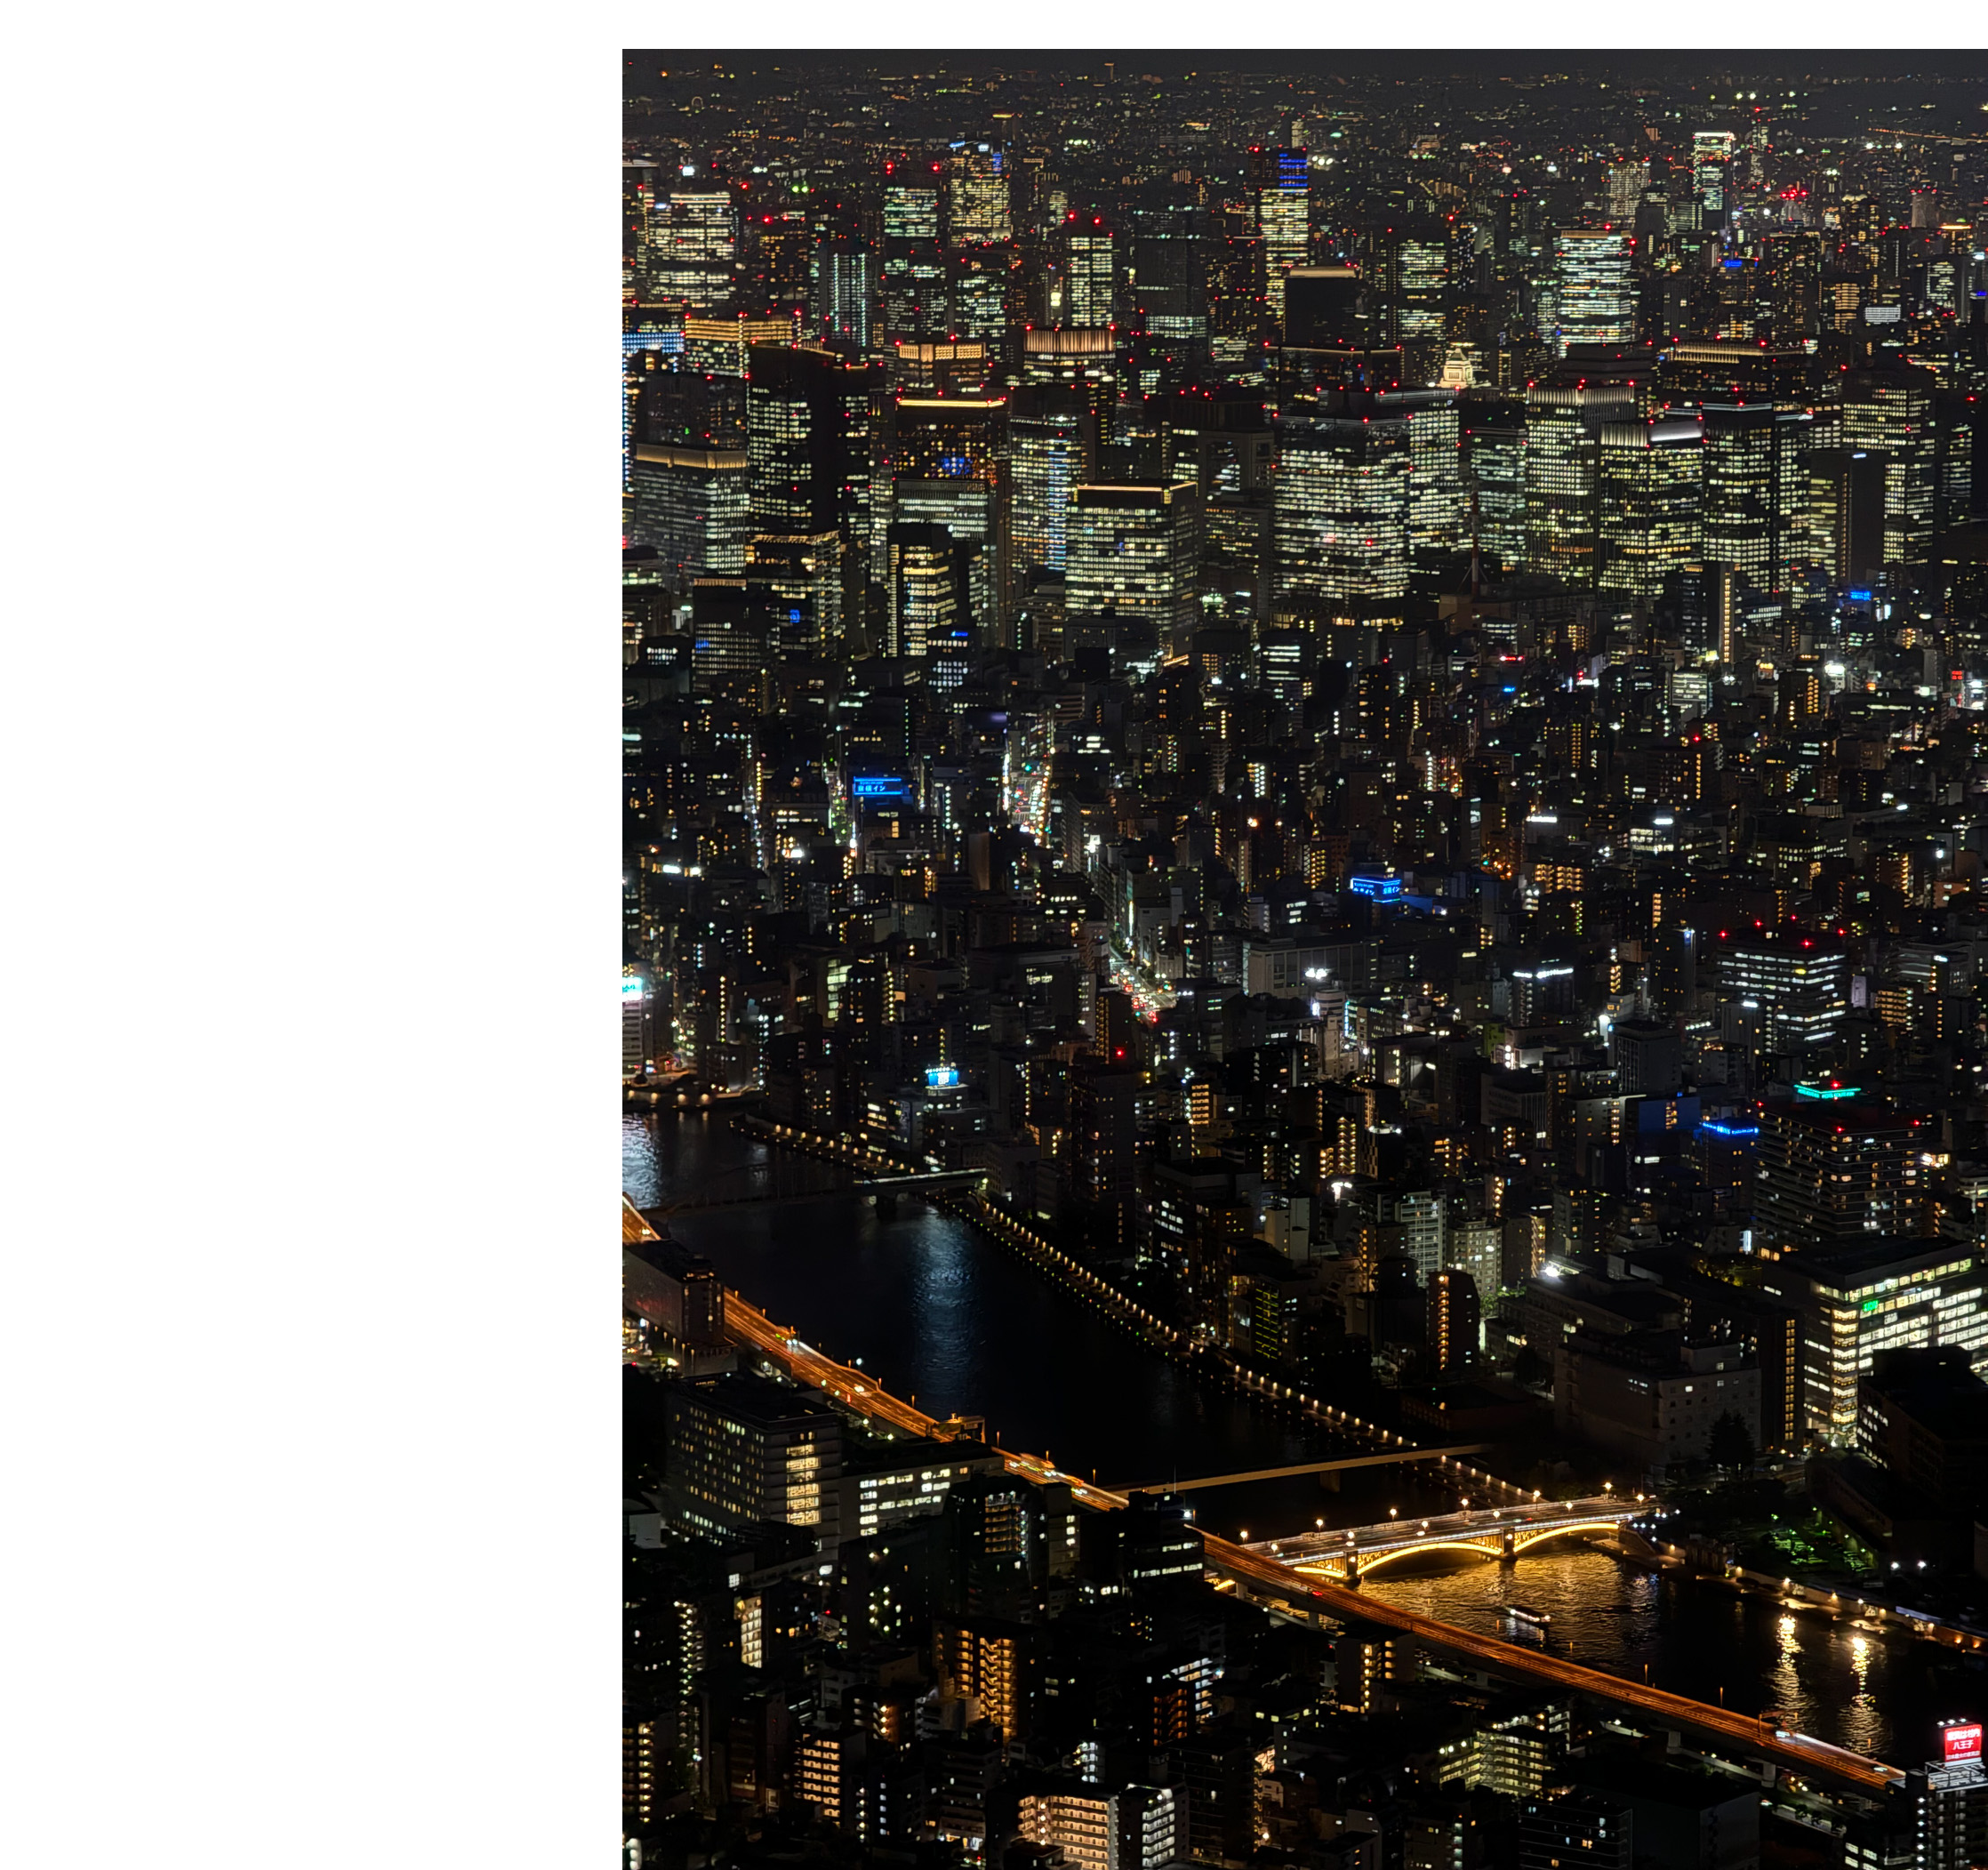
{"points": [[845, 294], [809, 435], [1280, 192], [977, 180], [694, 505], [694, 248], [1050, 451], [1889, 414], [1341, 512], [1712, 157], [1130, 554], [1090, 271], [1650, 486], [1563, 421], [1742, 528], [1596, 304], [1168, 281], [1800, 981]]}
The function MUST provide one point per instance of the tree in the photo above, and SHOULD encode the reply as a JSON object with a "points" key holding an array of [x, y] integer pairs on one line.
{"points": [[1731, 1445]]}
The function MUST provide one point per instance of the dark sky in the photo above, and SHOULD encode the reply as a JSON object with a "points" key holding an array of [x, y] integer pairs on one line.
{"points": [[1376, 62]]}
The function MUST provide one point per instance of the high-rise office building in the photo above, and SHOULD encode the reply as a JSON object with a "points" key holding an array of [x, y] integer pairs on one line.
{"points": [[1712, 158], [1166, 281], [1494, 457], [1890, 414], [1342, 513], [743, 1449], [1650, 483], [694, 506], [1090, 279], [808, 432], [912, 300], [1131, 554], [1595, 299], [977, 187], [694, 249], [1052, 449], [1800, 983], [845, 296], [1081, 358], [1438, 512], [1280, 193], [1835, 1168], [1563, 421], [924, 605], [1741, 511], [1892, 1294]]}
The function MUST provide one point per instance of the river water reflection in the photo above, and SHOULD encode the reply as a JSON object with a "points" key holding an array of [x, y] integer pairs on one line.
{"points": [[940, 1314]]}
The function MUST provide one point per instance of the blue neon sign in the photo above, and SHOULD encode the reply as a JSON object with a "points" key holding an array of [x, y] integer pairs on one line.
{"points": [[1384, 889]]}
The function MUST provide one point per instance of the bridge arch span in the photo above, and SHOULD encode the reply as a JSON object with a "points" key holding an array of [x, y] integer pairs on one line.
{"points": [[1473, 1548], [1583, 1529]]}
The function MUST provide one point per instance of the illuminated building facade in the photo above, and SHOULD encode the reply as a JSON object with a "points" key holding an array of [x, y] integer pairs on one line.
{"points": [[1835, 1168], [1596, 303], [1894, 1293], [1712, 158], [1562, 475], [1132, 552], [694, 506], [743, 1449], [1742, 515], [1050, 451], [1280, 192], [1650, 483], [977, 179], [1801, 982], [1890, 416], [1090, 272], [1341, 512], [694, 249], [925, 605]]}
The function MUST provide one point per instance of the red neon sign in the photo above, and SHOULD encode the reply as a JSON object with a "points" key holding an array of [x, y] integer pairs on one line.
{"points": [[1961, 1742]]}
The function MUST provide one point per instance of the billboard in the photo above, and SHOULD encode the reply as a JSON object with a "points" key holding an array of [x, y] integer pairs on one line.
{"points": [[1960, 1742]]}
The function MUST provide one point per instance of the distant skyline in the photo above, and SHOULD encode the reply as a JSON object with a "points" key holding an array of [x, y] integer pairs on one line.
{"points": [[1400, 62]]}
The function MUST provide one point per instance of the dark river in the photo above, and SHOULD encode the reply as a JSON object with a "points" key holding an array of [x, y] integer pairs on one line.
{"points": [[942, 1316]]}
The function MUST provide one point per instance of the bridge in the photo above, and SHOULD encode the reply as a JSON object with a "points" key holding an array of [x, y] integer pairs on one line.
{"points": [[1304, 1586], [1330, 1465], [1348, 1553], [783, 1178]]}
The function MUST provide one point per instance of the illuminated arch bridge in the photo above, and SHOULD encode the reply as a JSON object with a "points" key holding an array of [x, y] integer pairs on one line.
{"points": [[1346, 1554]]}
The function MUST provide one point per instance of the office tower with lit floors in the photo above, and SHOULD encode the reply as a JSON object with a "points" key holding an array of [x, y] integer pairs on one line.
{"points": [[1855, 1302], [1592, 276], [1649, 495], [1279, 183], [1130, 554], [1342, 515]]}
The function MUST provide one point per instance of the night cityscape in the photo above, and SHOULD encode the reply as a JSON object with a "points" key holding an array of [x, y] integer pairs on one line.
{"points": [[1304, 994]]}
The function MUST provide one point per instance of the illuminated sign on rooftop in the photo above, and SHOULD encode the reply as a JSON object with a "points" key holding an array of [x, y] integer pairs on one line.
{"points": [[1826, 1093], [1382, 888]]}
